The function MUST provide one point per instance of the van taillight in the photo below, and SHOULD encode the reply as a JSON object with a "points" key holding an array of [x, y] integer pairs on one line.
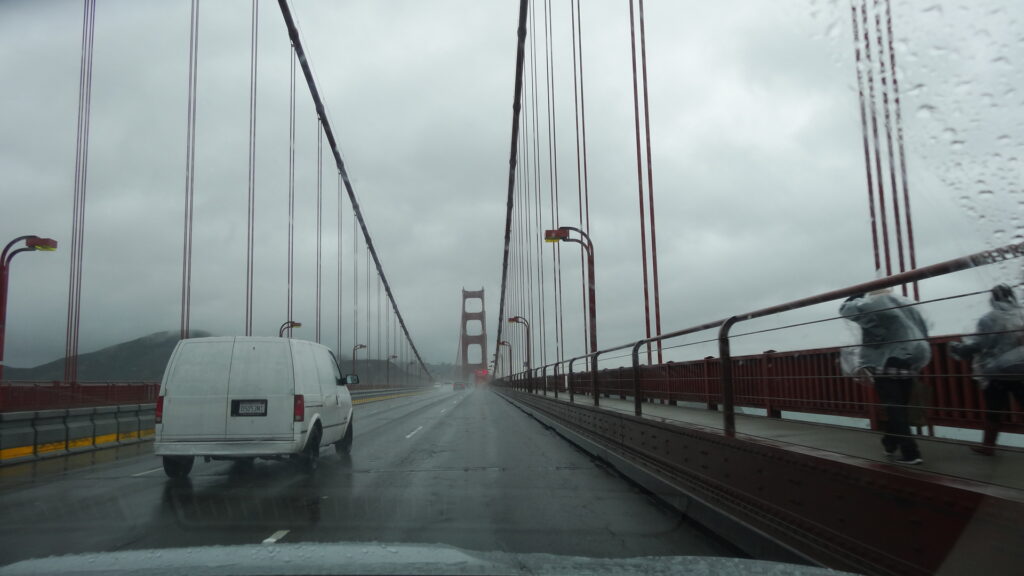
{"points": [[300, 408], [159, 409]]}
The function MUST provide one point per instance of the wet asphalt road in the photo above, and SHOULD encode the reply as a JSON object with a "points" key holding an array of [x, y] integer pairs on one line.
{"points": [[464, 468]]}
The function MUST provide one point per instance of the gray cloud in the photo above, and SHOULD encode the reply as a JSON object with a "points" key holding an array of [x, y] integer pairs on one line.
{"points": [[757, 156]]}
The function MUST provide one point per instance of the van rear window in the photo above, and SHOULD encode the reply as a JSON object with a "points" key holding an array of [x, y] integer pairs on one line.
{"points": [[200, 368]]}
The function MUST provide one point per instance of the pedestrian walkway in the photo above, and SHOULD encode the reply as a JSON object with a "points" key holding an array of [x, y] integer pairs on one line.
{"points": [[941, 456]]}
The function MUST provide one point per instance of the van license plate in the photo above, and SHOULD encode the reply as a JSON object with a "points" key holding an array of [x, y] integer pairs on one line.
{"points": [[248, 407]]}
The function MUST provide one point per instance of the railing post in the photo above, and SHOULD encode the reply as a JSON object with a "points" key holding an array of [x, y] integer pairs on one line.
{"points": [[593, 379], [572, 399], [728, 398], [555, 371], [637, 395]]}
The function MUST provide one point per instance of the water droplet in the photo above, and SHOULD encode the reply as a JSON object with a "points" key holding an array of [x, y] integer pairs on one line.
{"points": [[925, 111], [934, 9], [986, 194], [1005, 139], [949, 134], [956, 144]]}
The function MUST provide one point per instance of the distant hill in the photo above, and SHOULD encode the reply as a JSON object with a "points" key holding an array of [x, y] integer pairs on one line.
{"points": [[140, 359], [144, 359]]}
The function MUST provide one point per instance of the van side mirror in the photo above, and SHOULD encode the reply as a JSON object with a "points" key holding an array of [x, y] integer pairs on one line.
{"points": [[349, 380]]}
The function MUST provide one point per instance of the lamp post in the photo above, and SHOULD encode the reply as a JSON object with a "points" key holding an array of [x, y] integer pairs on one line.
{"points": [[354, 349], [32, 244], [288, 326], [387, 370], [561, 234], [524, 322], [509, 349]]}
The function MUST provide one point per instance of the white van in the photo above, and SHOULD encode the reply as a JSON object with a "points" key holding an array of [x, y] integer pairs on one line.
{"points": [[240, 398]]}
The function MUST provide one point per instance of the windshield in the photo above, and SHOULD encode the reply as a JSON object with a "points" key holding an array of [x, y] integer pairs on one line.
{"points": [[609, 280]]}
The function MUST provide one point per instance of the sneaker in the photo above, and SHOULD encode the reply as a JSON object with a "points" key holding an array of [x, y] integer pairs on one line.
{"points": [[910, 461], [891, 454]]}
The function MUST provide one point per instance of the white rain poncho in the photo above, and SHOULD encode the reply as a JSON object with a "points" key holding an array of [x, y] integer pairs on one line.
{"points": [[997, 349], [892, 335]]}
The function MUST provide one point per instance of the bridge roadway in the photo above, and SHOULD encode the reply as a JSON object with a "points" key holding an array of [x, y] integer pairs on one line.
{"points": [[463, 468]]}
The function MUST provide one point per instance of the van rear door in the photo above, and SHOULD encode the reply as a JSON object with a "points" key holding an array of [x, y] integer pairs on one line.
{"points": [[260, 390], [195, 389]]}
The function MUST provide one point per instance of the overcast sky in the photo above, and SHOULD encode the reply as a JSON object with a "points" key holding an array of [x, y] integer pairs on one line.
{"points": [[756, 140]]}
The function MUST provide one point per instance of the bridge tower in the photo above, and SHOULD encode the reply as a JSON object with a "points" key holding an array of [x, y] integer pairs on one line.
{"points": [[473, 335]]}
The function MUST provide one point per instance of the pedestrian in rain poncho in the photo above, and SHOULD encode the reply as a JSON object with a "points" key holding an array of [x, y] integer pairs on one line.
{"points": [[996, 352], [894, 350]]}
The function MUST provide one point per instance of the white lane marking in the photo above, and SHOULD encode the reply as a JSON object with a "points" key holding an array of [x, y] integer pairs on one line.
{"points": [[413, 433], [275, 536], [146, 472]]}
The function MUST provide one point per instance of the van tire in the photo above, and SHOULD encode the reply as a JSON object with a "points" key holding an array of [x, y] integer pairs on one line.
{"points": [[344, 446], [178, 466], [310, 457]]}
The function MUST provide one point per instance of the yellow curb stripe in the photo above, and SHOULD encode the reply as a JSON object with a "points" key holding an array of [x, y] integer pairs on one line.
{"points": [[105, 439], [19, 451], [16, 452], [80, 442]]}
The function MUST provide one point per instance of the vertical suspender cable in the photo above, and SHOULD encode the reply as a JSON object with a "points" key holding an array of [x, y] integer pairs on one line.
{"points": [[369, 306], [864, 133], [319, 221], [556, 275], [78, 209], [355, 284], [341, 261], [190, 161], [887, 118], [650, 185], [874, 134], [516, 103], [250, 238], [291, 194], [899, 142], [640, 181]]}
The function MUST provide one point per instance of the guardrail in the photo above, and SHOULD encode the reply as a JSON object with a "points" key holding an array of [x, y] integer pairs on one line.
{"points": [[801, 381], [31, 435]]}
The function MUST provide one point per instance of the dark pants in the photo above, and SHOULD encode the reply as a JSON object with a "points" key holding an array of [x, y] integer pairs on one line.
{"points": [[997, 399], [894, 394]]}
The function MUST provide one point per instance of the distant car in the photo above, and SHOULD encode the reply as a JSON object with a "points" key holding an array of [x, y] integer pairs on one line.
{"points": [[459, 385], [240, 398]]}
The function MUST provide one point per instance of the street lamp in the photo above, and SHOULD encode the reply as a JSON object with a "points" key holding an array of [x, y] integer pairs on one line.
{"points": [[32, 244], [561, 234], [287, 326], [524, 322], [354, 348], [509, 346], [387, 370]]}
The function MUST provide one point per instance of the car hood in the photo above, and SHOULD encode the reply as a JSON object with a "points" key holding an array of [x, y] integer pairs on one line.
{"points": [[379, 558]]}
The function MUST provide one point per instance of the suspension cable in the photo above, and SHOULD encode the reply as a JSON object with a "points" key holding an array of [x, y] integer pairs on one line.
{"points": [[516, 103], [250, 237], [640, 182], [291, 193], [190, 161], [650, 184], [319, 223], [864, 134], [307, 72], [78, 209]]}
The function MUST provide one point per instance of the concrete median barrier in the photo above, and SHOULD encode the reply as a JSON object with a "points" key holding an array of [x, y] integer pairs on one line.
{"points": [[80, 427], [31, 435], [51, 432], [17, 437], [128, 424]]}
